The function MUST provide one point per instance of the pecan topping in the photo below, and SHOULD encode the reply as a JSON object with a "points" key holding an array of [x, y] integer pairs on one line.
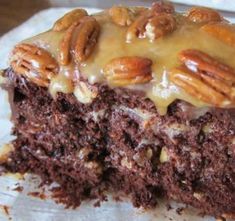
{"points": [[122, 16], [87, 32], [222, 31], [152, 26], [67, 20], [163, 7], [160, 26], [205, 78], [125, 16], [128, 70], [34, 63], [202, 14]]}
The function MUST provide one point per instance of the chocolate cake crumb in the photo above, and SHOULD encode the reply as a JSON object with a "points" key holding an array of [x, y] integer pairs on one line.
{"points": [[19, 189]]}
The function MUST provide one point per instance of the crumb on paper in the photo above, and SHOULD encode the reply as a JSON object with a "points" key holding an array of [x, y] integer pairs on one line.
{"points": [[180, 210], [169, 207], [5, 209], [39, 195], [18, 189], [2, 79], [4, 151]]}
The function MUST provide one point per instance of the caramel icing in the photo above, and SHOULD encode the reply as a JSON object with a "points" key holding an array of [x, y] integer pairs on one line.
{"points": [[112, 43]]}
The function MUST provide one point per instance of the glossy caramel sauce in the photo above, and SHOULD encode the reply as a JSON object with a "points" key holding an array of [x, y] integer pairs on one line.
{"points": [[163, 52]]}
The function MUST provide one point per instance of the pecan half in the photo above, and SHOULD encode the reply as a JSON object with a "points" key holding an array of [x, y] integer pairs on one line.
{"points": [[200, 61], [86, 33], [122, 16], [205, 78], [193, 85], [163, 7], [67, 20], [34, 63], [152, 26], [203, 14], [222, 31], [160, 26], [128, 70]]}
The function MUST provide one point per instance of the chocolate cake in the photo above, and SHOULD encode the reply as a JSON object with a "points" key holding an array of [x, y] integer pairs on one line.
{"points": [[132, 100]]}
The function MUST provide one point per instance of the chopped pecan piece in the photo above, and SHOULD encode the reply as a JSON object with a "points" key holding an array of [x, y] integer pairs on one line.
{"points": [[35, 63], [205, 78], [87, 32], [152, 26], [222, 31], [84, 92], [69, 18], [203, 14], [128, 70]]}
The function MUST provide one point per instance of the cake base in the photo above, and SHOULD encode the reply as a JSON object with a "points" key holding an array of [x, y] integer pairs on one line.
{"points": [[120, 143]]}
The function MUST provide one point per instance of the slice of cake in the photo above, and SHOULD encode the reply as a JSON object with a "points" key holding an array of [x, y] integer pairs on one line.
{"points": [[136, 101]]}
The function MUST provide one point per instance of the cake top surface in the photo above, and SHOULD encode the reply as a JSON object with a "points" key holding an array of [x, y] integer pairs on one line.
{"points": [[167, 55]]}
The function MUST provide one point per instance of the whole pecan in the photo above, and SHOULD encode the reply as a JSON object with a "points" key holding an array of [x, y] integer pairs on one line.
{"points": [[203, 14], [151, 25], [205, 78], [86, 33], [128, 70], [35, 63], [70, 17]]}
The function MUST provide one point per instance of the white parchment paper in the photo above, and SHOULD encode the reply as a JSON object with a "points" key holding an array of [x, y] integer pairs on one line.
{"points": [[226, 5], [23, 207]]}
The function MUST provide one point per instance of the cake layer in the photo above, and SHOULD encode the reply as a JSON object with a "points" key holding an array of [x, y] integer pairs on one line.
{"points": [[120, 143]]}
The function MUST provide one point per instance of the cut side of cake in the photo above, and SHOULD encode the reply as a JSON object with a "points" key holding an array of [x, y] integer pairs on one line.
{"points": [[134, 101]]}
